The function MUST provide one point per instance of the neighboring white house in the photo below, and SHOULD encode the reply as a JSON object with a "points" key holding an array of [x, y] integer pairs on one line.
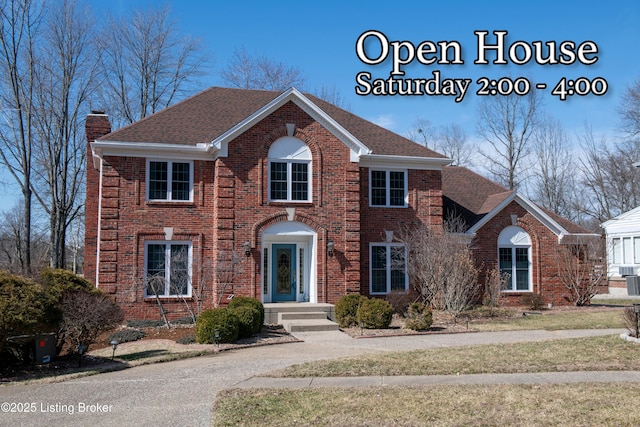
{"points": [[623, 249]]}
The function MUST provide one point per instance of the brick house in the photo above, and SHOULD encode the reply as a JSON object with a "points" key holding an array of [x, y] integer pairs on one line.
{"points": [[511, 234], [277, 196]]}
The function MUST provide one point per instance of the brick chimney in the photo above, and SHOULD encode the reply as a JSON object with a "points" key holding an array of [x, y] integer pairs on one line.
{"points": [[96, 125]]}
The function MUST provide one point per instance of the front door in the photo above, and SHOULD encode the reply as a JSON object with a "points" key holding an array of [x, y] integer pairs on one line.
{"points": [[283, 268]]}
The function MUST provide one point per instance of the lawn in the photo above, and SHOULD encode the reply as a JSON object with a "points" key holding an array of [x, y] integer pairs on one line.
{"points": [[494, 405], [449, 405], [579, 354], [551, 320]]}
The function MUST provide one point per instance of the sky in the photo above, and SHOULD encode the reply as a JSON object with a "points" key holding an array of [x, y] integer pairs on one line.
{"points": [[320, 38]]}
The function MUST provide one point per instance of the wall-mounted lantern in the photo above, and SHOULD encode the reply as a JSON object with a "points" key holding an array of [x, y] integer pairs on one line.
{"points": [[247, 249], [330, 246]]}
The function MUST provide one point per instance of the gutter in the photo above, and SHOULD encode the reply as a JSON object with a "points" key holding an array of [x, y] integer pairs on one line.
{"points": [[98, 236]]}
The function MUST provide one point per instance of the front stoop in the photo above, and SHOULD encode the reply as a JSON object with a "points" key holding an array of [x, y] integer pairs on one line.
{"points": [[301, 317]]}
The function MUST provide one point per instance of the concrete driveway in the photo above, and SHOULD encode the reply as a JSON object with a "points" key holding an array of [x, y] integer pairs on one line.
{"points": [[182, 393]]}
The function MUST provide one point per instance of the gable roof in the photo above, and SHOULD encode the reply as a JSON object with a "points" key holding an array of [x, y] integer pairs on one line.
{"points": [[478, 199], [210, 119], [626, 222]]}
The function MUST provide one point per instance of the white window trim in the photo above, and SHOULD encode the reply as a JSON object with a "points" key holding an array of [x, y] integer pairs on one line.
{"points": [[387, 267], [289, 163], [169, 178], [167, 244], [621, 262], [512, 288], [388, 188]]}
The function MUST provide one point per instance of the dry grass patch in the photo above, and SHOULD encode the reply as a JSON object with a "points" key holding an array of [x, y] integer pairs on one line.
{"points": [[583, 318], [522, 405], [579, 354]]}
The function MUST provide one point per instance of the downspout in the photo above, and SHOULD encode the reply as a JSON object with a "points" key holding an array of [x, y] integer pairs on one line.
{"points": [[99, 227]]}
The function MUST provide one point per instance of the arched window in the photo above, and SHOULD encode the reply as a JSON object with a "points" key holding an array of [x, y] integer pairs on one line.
{"points": [[289, 171], [514, 257]]}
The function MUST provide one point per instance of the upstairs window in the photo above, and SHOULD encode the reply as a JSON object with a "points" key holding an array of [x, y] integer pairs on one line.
{"points": [[169, 180], [388, 188], [289, 171]]}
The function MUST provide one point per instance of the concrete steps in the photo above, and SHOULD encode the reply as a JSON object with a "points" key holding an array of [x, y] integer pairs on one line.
{"points": [[301, 317]]}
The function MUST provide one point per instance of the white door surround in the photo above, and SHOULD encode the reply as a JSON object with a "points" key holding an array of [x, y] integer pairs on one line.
{"points": [[304, 238]]}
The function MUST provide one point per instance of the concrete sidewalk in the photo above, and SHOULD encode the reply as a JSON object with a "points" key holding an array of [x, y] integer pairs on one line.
{"points": [[183, 392], [423, 380]]}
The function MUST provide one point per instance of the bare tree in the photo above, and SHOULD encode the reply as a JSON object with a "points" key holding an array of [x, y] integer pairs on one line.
{"points": [[19, 27], [609, 177], [333, 96], [630, 110], [555, 171], [452, 142], [423, 132], [64, 84], [147, 65], [507, 123], [581, 269], [495, 282], [440, 266], [85, 315], [11, 241], [260, 72]]}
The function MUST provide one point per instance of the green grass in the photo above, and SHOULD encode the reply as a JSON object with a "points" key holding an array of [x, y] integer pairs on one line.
{"points": [[491, 405], [578, 354]]}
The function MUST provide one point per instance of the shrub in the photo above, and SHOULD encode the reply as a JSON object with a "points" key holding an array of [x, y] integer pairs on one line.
{"points": [[23, 307], [629, 319], [374, 313], [188, 320], [126, 335], [533, 301], [187, 339], [249, 320], [56, 282], [400, 301], [221, 319], [346, 310], [252, 302], [419, 317], [85, 315], [144, 323], [64, 280]]}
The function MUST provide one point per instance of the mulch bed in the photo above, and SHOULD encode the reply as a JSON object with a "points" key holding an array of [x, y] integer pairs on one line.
{"points": [[274, 334]]}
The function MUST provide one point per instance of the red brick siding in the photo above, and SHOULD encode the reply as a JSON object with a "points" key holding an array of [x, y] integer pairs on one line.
{"points": [[231, 206], [544, 244], [424, 207], [96, 126]]}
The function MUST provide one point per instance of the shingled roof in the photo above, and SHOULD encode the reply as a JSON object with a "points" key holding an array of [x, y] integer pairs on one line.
{"points": [[472, 196], [206, 116]]}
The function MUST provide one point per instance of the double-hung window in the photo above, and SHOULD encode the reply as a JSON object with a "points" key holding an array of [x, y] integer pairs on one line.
{"points": [[388, 188], [289, 171], [514, 258], [168, 269], [388, 270], [626, 250], [169, 180]]}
